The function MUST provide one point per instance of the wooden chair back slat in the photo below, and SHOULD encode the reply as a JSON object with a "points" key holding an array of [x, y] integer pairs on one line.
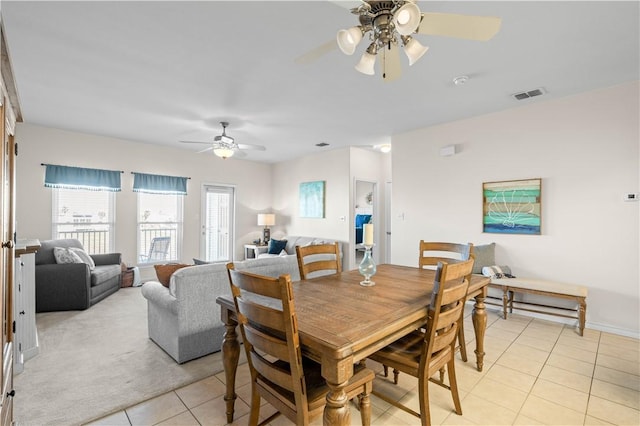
{"points": [[307, 265], [433, 252]]}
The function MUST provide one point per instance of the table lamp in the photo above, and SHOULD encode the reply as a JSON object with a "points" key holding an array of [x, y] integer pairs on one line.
{"points": [[266, 220]]}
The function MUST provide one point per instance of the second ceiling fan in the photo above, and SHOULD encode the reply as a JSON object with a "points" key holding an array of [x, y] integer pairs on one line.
{"points": [[225, 146], [391, 24]]}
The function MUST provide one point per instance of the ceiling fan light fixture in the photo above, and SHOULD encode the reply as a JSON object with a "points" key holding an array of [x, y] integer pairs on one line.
{"points": [[413, 49], [368, 60], [385, 148], [407, 18], [349, 39], [223, 152]]}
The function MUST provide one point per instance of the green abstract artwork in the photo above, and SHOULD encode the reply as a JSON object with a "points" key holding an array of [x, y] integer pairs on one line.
{"points": [[512, 207], [312, 199]]}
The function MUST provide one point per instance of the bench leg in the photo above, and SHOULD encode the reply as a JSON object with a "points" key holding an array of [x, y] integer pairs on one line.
{"points": [[582, 315], [505, 302], [512, 295]]}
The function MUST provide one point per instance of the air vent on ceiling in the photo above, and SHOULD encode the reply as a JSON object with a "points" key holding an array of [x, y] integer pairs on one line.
{"points": [[321, 144], [529, 94]]}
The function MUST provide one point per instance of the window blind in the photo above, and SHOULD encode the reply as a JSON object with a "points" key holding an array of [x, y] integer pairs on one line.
{"points": [[67, 177], [159, 184]]}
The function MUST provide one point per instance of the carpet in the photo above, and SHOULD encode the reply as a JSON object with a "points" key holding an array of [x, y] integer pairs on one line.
{"points": [[97, 361]]}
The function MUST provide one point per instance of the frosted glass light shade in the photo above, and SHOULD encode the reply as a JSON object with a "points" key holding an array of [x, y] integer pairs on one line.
{"points": [[367, 64], [266, 219], [349, 39], [414, 50], [407, 18], [223, 152], [385, 148]]}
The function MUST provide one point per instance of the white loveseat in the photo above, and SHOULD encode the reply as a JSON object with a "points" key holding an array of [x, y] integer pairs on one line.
{"points": [[184, 319]]}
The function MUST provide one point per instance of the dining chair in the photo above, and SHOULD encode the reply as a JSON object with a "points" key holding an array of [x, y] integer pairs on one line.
{"points": [[433, 252], [318, 259], [291, 383], [428, 350], [430, 253]]}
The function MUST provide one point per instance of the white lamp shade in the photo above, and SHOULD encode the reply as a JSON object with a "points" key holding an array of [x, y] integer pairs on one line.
{"points": [[266, 219], [223, 152], [367, 64], [349, 39], [414, 50], [407, 18]]}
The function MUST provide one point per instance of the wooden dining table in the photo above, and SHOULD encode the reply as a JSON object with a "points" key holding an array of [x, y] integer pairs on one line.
{"points": [[341, 322]]}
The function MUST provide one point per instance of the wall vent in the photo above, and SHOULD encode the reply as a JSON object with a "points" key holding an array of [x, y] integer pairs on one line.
{"points": [[529, 94]]}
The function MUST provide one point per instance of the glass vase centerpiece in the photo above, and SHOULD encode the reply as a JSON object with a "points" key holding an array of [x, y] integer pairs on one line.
{"points": [[367, 267]]}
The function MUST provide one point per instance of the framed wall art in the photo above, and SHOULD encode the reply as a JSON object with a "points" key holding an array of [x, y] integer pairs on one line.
{"points": [[312, 199], [512, 206]]}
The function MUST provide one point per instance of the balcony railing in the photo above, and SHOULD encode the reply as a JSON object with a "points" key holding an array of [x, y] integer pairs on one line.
{"points": [[98, 242], [93, 241]]}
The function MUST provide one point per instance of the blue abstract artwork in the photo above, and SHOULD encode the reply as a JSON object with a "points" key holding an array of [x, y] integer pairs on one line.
{"points": [[312, 199]]}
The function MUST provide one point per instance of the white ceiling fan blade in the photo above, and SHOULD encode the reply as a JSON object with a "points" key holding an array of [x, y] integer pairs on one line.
{"points": [[204, 150], [316, 53], [208, 143], [390, 61], [251, 147], [481, 28]]}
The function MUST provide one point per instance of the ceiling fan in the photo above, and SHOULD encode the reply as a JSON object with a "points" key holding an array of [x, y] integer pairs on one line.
{"points": [[225, 146], [390, 24]]}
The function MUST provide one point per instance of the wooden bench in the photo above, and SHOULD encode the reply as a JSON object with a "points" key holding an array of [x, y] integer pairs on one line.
{"points": [[512, 286]]}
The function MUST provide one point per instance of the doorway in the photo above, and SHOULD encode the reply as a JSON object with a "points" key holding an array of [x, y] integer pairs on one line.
{"points": [[365, 209], [218, 205]]}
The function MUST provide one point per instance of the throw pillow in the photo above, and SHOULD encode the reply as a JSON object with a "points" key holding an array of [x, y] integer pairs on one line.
{"points": [[84, 256], [164, 272], [276, 246], [497, 271], [485, 255], [64, 255], [200, 262]]}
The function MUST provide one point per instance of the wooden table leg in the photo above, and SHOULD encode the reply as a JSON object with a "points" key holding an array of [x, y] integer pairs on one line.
{"points": [[337, 412], [230, 357], [479, 317]]}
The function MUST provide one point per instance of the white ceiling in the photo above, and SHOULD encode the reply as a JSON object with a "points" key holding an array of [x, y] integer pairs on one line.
{"points": [[160, 72]]}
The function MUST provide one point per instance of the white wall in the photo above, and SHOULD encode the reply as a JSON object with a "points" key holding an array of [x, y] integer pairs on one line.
{"points": [[330, 166], [586, 150], [45, 145]]}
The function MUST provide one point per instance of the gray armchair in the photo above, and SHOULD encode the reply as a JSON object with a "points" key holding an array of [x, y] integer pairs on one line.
{"points": [[73, 286]]}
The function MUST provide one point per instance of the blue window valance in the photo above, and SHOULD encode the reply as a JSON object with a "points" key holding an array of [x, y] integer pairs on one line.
{"points": [[159, 184], [81, 178]]}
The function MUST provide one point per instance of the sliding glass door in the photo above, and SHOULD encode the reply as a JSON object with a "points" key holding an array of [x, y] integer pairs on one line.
{"points": [[218, 203]]}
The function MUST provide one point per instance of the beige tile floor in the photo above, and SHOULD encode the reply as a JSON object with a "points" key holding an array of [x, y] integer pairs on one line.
{"points": [[535, 372]]}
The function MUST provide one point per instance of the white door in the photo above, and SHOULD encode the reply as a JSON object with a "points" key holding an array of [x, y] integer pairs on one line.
{"points": [[218, 203], [387, 215]]}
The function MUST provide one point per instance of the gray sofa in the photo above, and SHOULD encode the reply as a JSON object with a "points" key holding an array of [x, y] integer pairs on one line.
{"points": [[184, 319], [73, 286]]}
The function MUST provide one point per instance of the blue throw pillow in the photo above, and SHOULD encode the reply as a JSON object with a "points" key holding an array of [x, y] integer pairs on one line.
{"points": [[276, 246]]}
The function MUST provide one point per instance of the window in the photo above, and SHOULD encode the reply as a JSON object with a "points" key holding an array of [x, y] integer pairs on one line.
{"points": [[159, 227], [218, 218], [86, 215]]}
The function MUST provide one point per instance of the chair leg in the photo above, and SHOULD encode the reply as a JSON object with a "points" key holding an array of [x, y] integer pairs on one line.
{"points": [[364, 403], [423, 396], [255, 405], [461, 340], [453, 386]]}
